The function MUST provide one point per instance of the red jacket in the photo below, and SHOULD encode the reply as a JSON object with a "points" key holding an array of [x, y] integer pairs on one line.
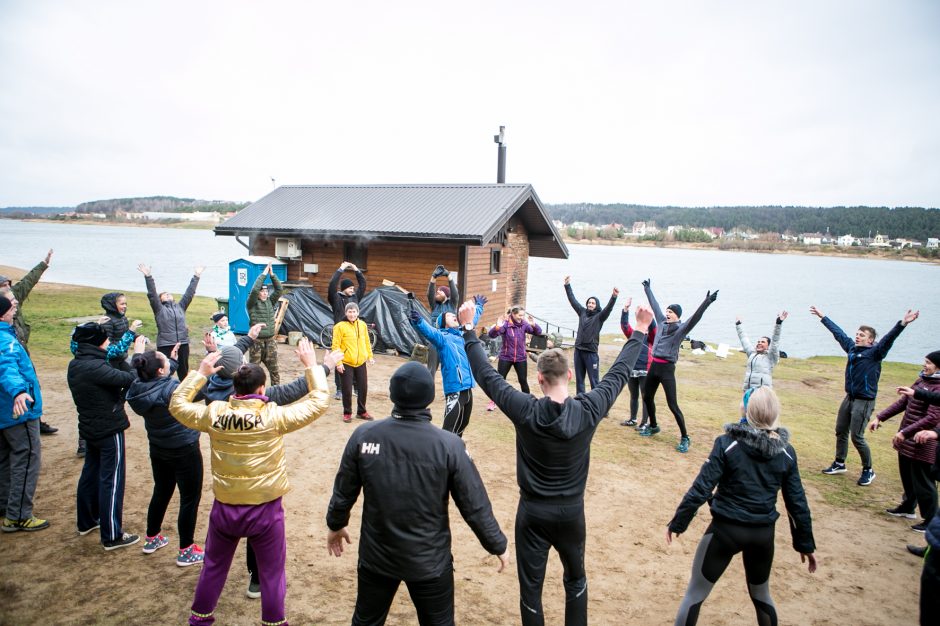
{"points": [[918, 415]]}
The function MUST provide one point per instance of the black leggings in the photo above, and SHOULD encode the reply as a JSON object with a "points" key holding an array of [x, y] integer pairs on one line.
{"points": [[171, 468], [433, 599], [457, 408], [664, 373], [635, 384], [723, 540], [521, 368], [360, 374], [182, 358]]}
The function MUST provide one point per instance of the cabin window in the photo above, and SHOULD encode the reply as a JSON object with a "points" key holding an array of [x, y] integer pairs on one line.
{"points": [[356, 254], [495, 259]]}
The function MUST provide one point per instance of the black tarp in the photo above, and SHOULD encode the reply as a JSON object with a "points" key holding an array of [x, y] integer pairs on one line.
{"points": [[386, 307]]}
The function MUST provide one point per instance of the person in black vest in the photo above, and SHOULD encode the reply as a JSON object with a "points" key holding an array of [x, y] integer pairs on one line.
{"points": [[340, 293], [553, 455], [408, 471]]}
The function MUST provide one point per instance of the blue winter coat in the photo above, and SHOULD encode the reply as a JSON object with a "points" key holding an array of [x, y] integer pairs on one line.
{"points": [[863, 368], [455, 368], [17, 375], [151, 400]]}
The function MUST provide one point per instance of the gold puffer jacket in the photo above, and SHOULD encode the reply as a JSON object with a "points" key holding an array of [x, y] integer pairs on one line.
{"points": [[248, 465]]}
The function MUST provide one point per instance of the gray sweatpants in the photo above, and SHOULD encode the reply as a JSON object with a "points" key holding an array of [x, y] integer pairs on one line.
{"points": [[19, 468], [853, 419]]}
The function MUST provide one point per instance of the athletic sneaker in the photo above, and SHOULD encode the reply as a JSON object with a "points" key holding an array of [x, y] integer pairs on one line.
{"points": [[835, 468], [190, 556], [899, 512], [80, 451], [365, 416], [491, 406], [867, 476], [630, 422], [152, 544], [88, 530], [647, 431], [121, 542], [338, 395], [684, 444], [917, 550], [31, 524], [347, 417], [920, 528], [254, 589]]}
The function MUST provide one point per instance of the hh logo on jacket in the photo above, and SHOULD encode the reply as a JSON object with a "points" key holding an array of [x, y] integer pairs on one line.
{"points": [[370, 448]]}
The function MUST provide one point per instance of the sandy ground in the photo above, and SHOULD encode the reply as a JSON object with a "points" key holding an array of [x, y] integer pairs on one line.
{"points": [[57, 577]]}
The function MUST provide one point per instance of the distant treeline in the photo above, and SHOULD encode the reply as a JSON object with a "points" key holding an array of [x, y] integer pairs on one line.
{"points": [[25, 211], [162, 204], [907, 222]]}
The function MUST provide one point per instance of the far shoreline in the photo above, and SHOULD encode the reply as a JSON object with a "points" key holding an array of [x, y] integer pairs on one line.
{"points": [[868, 253]]}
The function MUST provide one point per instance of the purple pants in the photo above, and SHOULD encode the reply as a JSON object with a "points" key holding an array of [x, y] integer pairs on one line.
{"points": [[228, 523]]}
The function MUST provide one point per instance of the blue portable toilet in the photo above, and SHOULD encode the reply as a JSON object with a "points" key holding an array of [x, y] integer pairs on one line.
{"points": [[242, 274]]}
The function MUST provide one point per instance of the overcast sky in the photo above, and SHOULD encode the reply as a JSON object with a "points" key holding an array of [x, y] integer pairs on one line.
{"points": [[689, 103]]}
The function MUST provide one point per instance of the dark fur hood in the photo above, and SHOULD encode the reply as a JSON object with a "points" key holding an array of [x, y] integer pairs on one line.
{"points": [[759, 442]]}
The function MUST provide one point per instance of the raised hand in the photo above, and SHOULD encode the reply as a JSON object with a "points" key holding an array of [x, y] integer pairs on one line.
{"points": [[353, 267], [782, 315], [816, 312], [480, 299], [136, 324], [628, 303], [175, 352], [268, 269], [199, 270], [344, 265], [646, 283], [467, 311], [208, 340], [306, 353], [208, 367], [909, 317], [255, 330], [144, 269], [500, 320], [333, 359], [616, 292], [567, 279], [140, 344], [712, 295], [644, 317], [49, 257], [414, 316]]}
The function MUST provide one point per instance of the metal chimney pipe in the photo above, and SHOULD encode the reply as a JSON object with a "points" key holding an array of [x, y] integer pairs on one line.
{"points": [[501, 156]]}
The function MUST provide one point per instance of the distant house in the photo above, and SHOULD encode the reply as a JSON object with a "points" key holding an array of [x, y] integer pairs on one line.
{"points": [[933, 242], [880, 241], [846, 241], [811, 239], [901, 243], [400, 233], [715, 231]]}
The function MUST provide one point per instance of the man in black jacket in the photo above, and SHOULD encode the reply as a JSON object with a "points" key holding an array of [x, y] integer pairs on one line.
{"points": [[409, 469], [553, 454], [340, 293], [98, 392], [590, 321]]}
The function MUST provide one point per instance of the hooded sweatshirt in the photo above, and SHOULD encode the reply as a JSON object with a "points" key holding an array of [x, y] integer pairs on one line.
{"points": [[669, 337], [740, 480], [553, 439], [589, 322]]}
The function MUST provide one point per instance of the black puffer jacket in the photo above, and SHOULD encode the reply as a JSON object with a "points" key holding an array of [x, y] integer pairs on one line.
{"points": [[749, 468], [408, 470], [117, 323], [589, 322], [98, 392], [151, 400]]}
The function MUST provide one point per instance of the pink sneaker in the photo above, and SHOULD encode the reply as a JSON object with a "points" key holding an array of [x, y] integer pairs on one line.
{"points": [[491, 406]]}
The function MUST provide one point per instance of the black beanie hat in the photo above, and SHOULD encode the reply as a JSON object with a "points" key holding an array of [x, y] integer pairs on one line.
{"points": [[676, 309], [411, 386], [217, 316], [934, 357], [89, 332], [5, 305], [345, 284]]}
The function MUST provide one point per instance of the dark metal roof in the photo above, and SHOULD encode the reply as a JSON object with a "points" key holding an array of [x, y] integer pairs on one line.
{"points": [[465, 213]]}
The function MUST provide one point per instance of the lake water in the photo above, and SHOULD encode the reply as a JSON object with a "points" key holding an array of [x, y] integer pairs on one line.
{"points": [[851, 291]]}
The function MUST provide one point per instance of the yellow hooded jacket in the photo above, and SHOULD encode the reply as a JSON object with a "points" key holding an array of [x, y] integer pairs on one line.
{"points": [[248, 465], [353, 339]]}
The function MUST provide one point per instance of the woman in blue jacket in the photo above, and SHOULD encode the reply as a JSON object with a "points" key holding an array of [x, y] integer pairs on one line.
{"points": [[175, 457]]}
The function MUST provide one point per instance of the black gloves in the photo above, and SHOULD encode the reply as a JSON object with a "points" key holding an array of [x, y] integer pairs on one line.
{"points": [[712, 296], [481, 300], [439, 271], [779, 321], [646, 283], [415, 317]]}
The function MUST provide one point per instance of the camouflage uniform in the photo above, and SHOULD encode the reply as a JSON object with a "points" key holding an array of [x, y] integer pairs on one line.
{"points": [[264, 349]]}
